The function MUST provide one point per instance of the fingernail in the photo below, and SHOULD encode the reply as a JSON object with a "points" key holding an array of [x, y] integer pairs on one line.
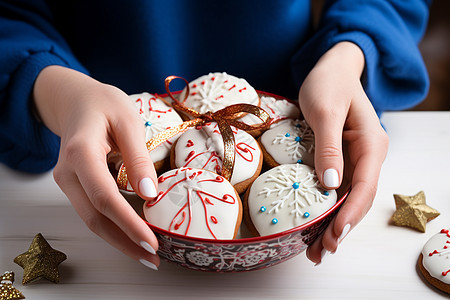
{"points": [[148, 264], [147, 188], [323, 253], [331, 178], [344, 233], [147, 247]]}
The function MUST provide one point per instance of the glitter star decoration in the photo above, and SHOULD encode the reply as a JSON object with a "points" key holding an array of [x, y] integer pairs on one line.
{"points": [[412, 211], [40, 261], [7, 290]]}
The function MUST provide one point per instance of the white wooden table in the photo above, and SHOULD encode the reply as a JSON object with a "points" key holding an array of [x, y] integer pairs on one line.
{"points": [[376, 260]]}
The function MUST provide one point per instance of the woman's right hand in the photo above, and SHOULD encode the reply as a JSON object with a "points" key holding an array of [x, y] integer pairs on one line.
{"points": [[94, 119]]}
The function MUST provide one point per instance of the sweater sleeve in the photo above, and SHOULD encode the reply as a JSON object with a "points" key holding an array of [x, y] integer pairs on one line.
{"points": [[28, 43], [388, 32]]}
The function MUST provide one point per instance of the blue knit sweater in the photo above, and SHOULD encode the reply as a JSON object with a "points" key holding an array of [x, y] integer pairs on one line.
{"points": [[135, 44]]}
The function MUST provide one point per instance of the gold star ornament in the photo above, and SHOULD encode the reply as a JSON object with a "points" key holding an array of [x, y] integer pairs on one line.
{"points": [[7, 290], [40, 261], [412, 211]]}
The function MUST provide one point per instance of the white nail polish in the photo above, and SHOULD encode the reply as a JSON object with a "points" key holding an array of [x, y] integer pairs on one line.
{"points": [[147, 188], [323, 253], [331, 178], [148, 264], [147, 247], [344, 233]]}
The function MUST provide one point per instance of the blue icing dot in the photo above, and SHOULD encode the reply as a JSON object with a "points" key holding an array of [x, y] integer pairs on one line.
{"points": [[298, 125], [326, 193], [148, 124], [287, 134], [274, 221], [298, 139], [299, 161], [262, 209], [296, 185], [306, 214]]}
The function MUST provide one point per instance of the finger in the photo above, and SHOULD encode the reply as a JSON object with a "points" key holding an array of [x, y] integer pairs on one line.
{"points": [[130, 138], [356, 206], [366, 152], [314, 251], [328, 126], [101, 190], [364, 187], [101, 225]]}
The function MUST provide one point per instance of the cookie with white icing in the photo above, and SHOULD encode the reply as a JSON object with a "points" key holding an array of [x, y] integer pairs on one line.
{"points": [[279, 111], [285, 197], [156, 116], [202, 147], [434, 260], [195, 203], [215, 91], [288, 143]]}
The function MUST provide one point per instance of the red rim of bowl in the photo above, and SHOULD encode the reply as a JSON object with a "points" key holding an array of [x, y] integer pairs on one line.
{"points": [[257, 238]]}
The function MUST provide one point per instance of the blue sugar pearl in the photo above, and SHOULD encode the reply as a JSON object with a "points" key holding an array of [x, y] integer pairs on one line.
{"points": [[287, 134], [298, 125], [299, 161], [262, 209], [306, 214], [148, 124], [274, 221], [298, 139], [296, 185], [326, 193]]}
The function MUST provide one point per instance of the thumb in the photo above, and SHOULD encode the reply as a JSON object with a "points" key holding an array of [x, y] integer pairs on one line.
{"points": [[328, 157]]}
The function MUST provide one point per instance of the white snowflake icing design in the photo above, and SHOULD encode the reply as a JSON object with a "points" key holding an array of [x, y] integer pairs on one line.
{"points": [[300, 140], [304, 187], [211, 91], [217, 90]]}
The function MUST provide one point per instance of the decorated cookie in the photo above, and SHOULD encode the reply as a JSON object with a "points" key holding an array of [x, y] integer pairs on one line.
{"points": [[157, 117], [288, 143], [215, 91], [434, 261], [278, 109], [196, 203], [202, 147], [285, 197]]}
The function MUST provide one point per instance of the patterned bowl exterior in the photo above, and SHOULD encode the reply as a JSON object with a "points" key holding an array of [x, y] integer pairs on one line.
{"points": [[245, 254]]}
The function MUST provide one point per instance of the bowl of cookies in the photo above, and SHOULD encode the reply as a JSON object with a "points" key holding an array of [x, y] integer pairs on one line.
{"points": [[237, 189]]}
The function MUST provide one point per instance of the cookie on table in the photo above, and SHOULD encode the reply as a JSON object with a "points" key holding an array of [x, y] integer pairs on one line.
{"points": [[434, 260], [289, 142], [285, 197], [195, 203], [202, 147], [215, 91], [278, 109]]}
